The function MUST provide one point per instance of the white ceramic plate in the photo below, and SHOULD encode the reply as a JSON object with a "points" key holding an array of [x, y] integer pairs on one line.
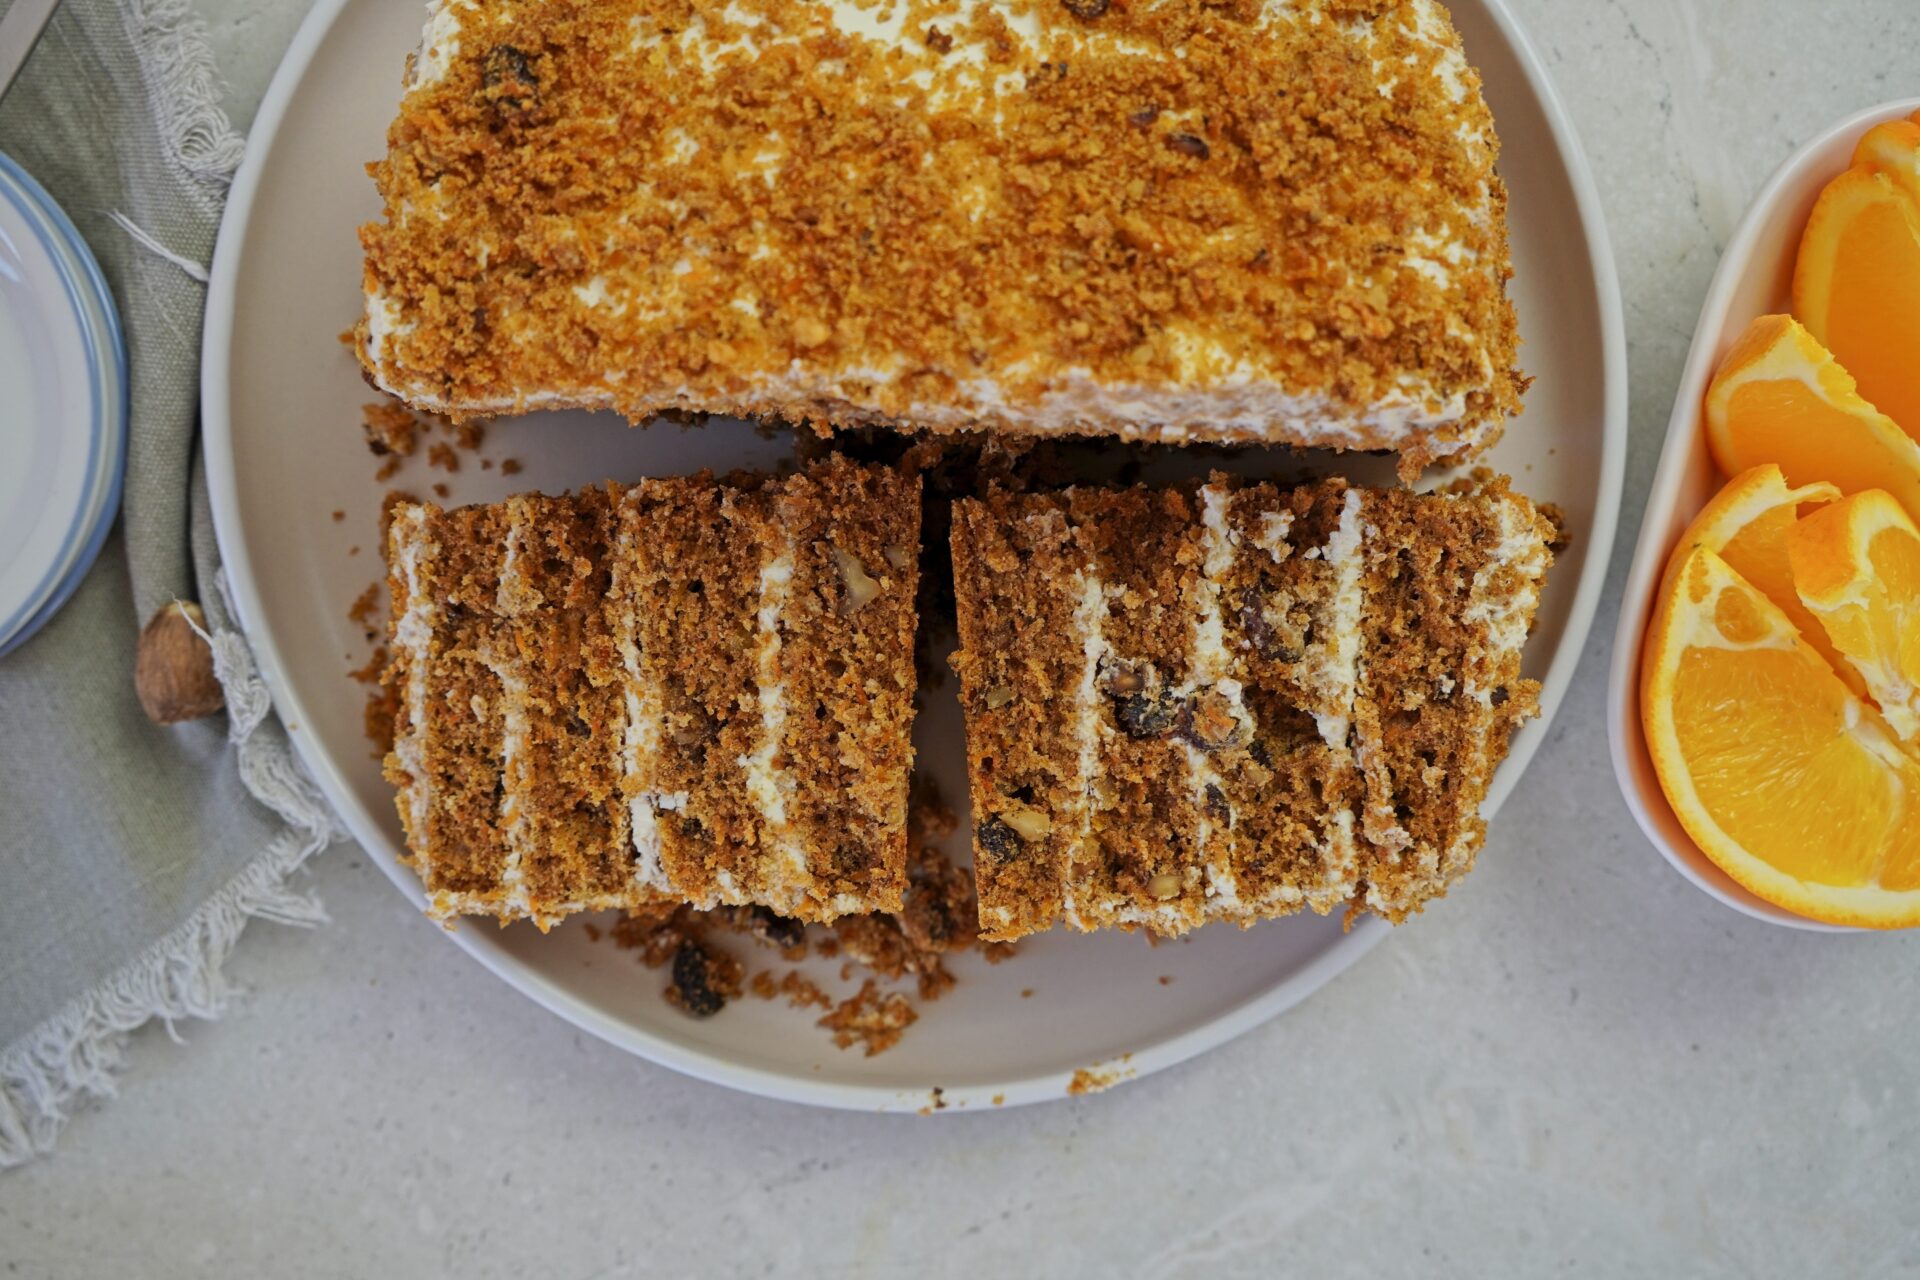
{"points": [[63, 412], [281, 406], [1755, 278]]}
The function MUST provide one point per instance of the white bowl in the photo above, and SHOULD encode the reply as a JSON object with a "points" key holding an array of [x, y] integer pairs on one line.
{"points": [[281, 400], [1755, 279]]}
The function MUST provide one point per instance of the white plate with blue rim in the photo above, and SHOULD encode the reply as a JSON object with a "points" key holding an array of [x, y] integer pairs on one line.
{"points": [[63, 407]]}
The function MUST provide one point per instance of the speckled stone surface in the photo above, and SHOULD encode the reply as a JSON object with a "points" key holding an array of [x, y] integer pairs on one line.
{"points": [[1581, 1065]]}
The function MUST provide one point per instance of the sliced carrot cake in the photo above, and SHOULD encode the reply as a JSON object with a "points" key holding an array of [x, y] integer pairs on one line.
{"points": [[1232, 701], [1264, 220], [687, 690]]}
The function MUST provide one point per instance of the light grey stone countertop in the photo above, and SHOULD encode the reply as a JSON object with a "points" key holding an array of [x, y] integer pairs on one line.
{"points": [[1579, 1066]]}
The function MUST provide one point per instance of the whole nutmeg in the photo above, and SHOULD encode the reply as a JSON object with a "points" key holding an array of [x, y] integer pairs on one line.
{"points": [[173, 666]]}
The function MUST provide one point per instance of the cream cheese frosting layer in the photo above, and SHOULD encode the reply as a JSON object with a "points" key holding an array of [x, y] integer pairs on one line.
{"points": [[413, 647], [641, 731], [1240, 409], [768, 782]]}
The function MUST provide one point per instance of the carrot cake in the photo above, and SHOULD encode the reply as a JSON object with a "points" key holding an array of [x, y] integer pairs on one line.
{"points": [[1233, 701], [687, 690], [1275, 221]]}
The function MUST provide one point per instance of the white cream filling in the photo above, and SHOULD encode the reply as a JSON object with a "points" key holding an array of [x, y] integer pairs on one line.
{"points": [[640, 742], [1210, 669], [594, 293], [439, 42], [1338, 683], [1337, 674], [1452, 66], [769, 784], [1089, 618], [1506, 616], [383, 320], [413, 635], [1237, 410], [516, 728]]}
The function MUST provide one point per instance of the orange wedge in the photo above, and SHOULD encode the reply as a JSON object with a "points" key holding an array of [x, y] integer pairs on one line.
{"points": [[1747, 524], [1893, 148], [1787, 781], [1856, 565], [1780, 397], [1857, 287]]}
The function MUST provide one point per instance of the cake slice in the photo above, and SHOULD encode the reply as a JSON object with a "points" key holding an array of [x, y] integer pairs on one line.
{"points": [[1450, 586], [1185, 220], [1234, 701], [683, 691]]}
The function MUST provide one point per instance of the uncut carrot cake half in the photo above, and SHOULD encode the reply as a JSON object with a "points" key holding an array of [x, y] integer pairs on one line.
{"points": [[686, 690], [1234, 701], [1258, 220]]}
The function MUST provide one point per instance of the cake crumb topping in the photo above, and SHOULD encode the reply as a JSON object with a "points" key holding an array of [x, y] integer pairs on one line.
{"points": [[1261, 220], [872, 1018]]}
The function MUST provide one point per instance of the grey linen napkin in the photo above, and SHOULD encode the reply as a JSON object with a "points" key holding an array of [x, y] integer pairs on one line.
{"points": [[131, 855]]}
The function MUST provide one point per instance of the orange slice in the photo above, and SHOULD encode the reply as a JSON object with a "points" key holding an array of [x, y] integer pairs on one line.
{"points": [[1857, 287], [1856, 565], [1893, 148], [1747, 524], [1780, 397], [1787, 781]]}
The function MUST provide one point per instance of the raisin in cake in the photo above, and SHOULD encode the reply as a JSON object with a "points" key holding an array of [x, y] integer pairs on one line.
{"points": [[1269, 220], [1233, 701], [682, 691]]}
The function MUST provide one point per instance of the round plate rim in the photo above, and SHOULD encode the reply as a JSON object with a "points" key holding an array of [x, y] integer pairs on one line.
{"points": [[1366, 933], [98, 319]]}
